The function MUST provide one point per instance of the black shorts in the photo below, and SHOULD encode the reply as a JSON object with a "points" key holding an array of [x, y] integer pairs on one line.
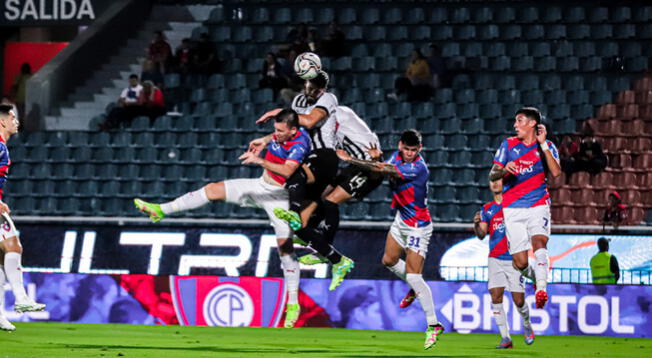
{"points": [[323, 164], [358, 182]]}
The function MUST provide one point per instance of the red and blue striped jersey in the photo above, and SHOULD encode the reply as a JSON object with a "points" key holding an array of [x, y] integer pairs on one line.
{"points": [[5, 162], [528, 188], [492, 215], [410, 191], [295, 149]]}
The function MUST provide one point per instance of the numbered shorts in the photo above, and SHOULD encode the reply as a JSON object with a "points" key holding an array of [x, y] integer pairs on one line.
{"points": [[7, 227], [503, 274], [259, 194], [523, 223], [358, 182], [416, 239]]}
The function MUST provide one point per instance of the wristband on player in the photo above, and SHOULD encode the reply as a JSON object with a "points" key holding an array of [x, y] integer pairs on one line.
{"points": [[544, 146]]}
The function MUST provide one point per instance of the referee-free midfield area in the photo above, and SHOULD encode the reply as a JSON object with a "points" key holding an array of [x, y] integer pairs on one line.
{"points": [[42, 340]]}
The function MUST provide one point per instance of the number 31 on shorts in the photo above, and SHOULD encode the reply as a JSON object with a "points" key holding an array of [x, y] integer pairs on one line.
{"points": [[413, 241]]}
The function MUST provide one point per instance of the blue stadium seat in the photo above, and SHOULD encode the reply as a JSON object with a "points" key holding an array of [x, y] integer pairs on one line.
{"points": [[473, 49], [621, 14], [483, 15], [528, 15], [216, 15], [386, 63], [264, 34], [511, 32], [600, 97], [215, 81], [465, 32], [437, 158], [260, 15], [556, 96], [305, 15], [442, 32], [461, 81], [582, 111], [568, 64], [456, 141], [563, 49], [465, 96], [558, 111], [599, 14], [420, 33], [438, 15], [575, 15], [370, 16], [468, 195], [390, 16], [398, 33], [643, 14], [57, 155], [506, 15], [624, 31], [608, 49], [282, 16], [415, 15], [636, 64], [551, 14], [490, 110], [602, 31], [355, 33], [382, 50], [579, 31], [540, 49], [460, 15], [523, 64], [404, 49], [496, 49], [347, 16], [221, 33], [447, 213], [375, 33], [443, 195], [534, 32], [489, 32], [545, 64], [359, 50], [325, 16], [500, 63], [556, 32], [631, 49], [591, 64], [532, 97]]}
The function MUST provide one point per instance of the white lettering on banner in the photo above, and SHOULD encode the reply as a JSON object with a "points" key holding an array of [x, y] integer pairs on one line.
{"points": [[466, 305], [615, 318], [156, 241], [603, 324], [230, 264], [563, 302], [542, 315], [38, 10], [65, 264], [267, 244], [86, 259]]}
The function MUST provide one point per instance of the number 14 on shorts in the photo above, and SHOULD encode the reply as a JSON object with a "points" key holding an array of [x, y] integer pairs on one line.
{"points": [[413, 241]]}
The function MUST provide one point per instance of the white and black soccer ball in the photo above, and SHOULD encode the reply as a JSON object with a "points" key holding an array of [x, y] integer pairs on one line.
{"points": [[307, 65]]}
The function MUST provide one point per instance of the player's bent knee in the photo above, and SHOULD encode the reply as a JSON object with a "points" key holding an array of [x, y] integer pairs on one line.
{"points": [[11, 244], [389, 260], [285, 246], [215, 191]]}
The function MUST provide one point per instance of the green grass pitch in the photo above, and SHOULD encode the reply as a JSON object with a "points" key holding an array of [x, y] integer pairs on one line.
{"points": [[51, 340]]}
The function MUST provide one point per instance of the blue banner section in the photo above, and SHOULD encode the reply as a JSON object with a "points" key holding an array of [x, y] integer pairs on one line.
{"points": [[465, 307]]}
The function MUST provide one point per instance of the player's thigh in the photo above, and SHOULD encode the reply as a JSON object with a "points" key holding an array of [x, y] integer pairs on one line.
{"points": [[242, 191], [338, 195], [496, 294], [281, 228], [9, 241], [496, 277], [520, 259], [538, 225], [393, 249], [516, 230], [518, 298]]}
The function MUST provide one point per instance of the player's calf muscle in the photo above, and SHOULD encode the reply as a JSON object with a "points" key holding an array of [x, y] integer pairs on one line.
{"points": [[215, 191]]}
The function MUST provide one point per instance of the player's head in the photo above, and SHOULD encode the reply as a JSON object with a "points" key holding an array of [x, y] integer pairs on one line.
{"points": [[496, 187], [603, 244], [286, 124], [526, 121], [8, 119], [315, 87], [133, 80], [410, 145]]}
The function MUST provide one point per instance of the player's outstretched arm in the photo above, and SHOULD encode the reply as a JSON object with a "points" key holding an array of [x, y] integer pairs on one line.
{"points": [[268, 115], [257, 145], [313, 118], [283, 169], [479, 227]]}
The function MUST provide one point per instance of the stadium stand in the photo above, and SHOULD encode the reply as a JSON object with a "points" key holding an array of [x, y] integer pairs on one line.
{"points": [[579, 64]]}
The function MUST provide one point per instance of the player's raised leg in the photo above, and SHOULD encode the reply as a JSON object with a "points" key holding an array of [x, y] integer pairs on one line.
{"points": [[524, 311], [5, 325], [13, 251], [292, 275], [539, 245], [189, 201]]}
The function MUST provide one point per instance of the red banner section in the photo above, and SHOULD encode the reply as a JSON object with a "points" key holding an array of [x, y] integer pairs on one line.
{"points": [[36, 54]]}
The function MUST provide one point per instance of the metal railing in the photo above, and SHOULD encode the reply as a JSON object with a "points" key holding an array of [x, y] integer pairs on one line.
{"points": [[557, 275]]}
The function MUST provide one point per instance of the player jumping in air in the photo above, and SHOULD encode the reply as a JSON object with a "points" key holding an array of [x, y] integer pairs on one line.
{"points": [[316, 107], [412, 228], [10, 247], [523, 162], [287, 148], [502, 274]]}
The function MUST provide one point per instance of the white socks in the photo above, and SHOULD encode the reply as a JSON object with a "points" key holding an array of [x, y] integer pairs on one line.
{"points": [[501, 319], [15, 275], [2, 290], [398, 269], [188, 201], [292, 275], [421, 288], [525, 314], [541, 268]]}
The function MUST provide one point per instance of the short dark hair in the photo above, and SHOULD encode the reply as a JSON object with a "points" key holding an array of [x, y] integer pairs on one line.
{"points": [[133, 75], [287, 116], [5, 109], [411, 137], [603, 244], [530, 112], [321, 80]]}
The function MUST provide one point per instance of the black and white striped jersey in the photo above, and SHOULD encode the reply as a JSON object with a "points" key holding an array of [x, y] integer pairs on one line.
{"points": [[353, 134], [322, 134]]}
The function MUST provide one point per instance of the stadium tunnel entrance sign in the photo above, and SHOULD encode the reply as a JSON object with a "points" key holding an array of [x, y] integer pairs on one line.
{"points": [[51, 12]]}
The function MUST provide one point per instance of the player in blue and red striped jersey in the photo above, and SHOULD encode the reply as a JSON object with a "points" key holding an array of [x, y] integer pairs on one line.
{"points": [[523, 163], [10, 248], [412, 227], [287, 147], [502, 273]]}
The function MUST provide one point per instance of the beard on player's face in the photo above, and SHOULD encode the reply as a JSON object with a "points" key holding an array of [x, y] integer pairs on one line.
{"points": [[311, 92]]}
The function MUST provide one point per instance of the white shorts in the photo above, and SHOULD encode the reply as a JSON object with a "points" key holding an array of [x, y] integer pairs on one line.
{"points": [[259, 194], [7, 227], [503, 274], [416, 239], [523, 223]]}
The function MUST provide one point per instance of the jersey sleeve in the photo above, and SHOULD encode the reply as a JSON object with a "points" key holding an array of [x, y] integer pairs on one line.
{"points": [[298, 152], [327, 102], [484, 216], [553, 150], [501, 154], [412, 172]]}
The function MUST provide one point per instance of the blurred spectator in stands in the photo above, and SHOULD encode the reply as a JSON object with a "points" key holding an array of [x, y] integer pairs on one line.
{"points": [[589, 158], [313, 41], [204, 59], [333, 44], [298, 38], [160, 52], [437, 67], [417, 83], [128, 106], [151, 101], [150, 73], [616, 213], [604, 266], [294, 84], [272, 74], [183, 56], [19, 87]]}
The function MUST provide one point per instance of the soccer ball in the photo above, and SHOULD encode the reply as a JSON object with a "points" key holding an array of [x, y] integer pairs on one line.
{"points": [[307, 65]]}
